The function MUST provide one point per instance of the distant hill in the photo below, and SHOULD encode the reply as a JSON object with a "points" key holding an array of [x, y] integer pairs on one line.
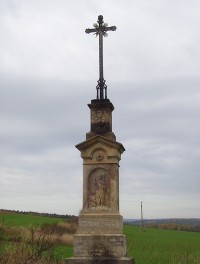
{"points": [[180, 224], [136, 222], [4, 211], [178, 221]]}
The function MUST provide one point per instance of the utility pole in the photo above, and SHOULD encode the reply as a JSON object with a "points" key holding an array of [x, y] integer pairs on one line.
{"points": [[142, 217]]}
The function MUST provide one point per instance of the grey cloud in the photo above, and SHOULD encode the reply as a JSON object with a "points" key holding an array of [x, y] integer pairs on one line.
{"points": [[48, 74]]}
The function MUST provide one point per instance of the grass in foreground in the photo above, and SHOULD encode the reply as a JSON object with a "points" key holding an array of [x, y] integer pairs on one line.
{"points": [[162, 246], [151, 246], [29, 239]]}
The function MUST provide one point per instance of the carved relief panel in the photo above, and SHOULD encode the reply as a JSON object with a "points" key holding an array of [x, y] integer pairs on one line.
{"points": [[98, 189], [101, 120], [100, 116]]}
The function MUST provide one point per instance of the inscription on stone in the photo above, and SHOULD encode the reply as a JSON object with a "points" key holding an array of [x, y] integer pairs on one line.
{"points": [[101, 226]]}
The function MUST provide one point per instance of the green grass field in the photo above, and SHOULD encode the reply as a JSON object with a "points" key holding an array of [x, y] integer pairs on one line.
{"points": [[162, 246], [151, 246], [26, 220]]}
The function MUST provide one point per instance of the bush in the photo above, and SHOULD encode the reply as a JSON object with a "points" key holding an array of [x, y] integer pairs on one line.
{"points": [[59, 229], [31, 246]]}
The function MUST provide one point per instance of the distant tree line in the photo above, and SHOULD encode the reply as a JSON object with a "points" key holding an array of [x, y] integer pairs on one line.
{"points": [[70, 217], [181, 224], [174, 226]]}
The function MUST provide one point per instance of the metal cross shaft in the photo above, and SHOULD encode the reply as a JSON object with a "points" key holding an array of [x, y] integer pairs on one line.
{"points": [[100, 30]]}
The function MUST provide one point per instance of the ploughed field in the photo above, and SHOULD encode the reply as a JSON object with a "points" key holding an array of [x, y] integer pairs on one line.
{"points": [[48, 240]]}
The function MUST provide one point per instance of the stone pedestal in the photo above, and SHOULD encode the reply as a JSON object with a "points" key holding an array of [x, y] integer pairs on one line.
{"points": [[99, 260], [99, 237]]}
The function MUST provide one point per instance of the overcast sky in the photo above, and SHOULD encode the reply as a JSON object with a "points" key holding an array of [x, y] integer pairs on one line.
{"points": [[48, 75]]}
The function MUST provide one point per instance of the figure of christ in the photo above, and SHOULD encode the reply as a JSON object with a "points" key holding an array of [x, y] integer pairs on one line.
{"points": [[100, 190], [100, 195]]}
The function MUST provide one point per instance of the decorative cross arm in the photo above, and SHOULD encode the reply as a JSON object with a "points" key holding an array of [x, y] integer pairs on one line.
{"points": [[100, 29], [97, 30]]}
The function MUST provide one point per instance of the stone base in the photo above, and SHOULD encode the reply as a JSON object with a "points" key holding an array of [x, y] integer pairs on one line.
{"points": [[99, 246], [100, 260]]}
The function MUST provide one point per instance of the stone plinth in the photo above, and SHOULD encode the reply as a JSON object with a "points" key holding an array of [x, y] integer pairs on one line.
{"points": [[99, 245], [99, 260]]}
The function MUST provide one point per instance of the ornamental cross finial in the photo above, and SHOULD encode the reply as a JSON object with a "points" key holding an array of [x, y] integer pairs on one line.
{"points": [[100, 29]]}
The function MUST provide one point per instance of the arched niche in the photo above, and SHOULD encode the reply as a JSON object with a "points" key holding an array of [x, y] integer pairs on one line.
{"points": [[99, 188]]}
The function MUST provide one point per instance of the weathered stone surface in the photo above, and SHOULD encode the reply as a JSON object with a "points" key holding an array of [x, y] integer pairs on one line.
{"points": [[112, 149], [99, 238], [109, 135], [99, 246], [101, 188], [101, 116], [100, 224], [88, 260]]}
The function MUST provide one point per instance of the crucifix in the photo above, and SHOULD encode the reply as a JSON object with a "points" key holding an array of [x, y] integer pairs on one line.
{"points": [[100, 30]]}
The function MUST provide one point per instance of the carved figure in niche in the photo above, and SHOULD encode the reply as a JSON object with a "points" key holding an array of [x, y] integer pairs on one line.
{"points": [[98, 195], [100, 190], [91, 199]]}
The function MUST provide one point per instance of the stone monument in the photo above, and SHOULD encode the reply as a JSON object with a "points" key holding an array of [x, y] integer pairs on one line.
{"points": [[99, 238]]}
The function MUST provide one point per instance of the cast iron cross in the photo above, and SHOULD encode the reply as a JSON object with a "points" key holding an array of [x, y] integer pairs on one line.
{"points": [[100, 29]]}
